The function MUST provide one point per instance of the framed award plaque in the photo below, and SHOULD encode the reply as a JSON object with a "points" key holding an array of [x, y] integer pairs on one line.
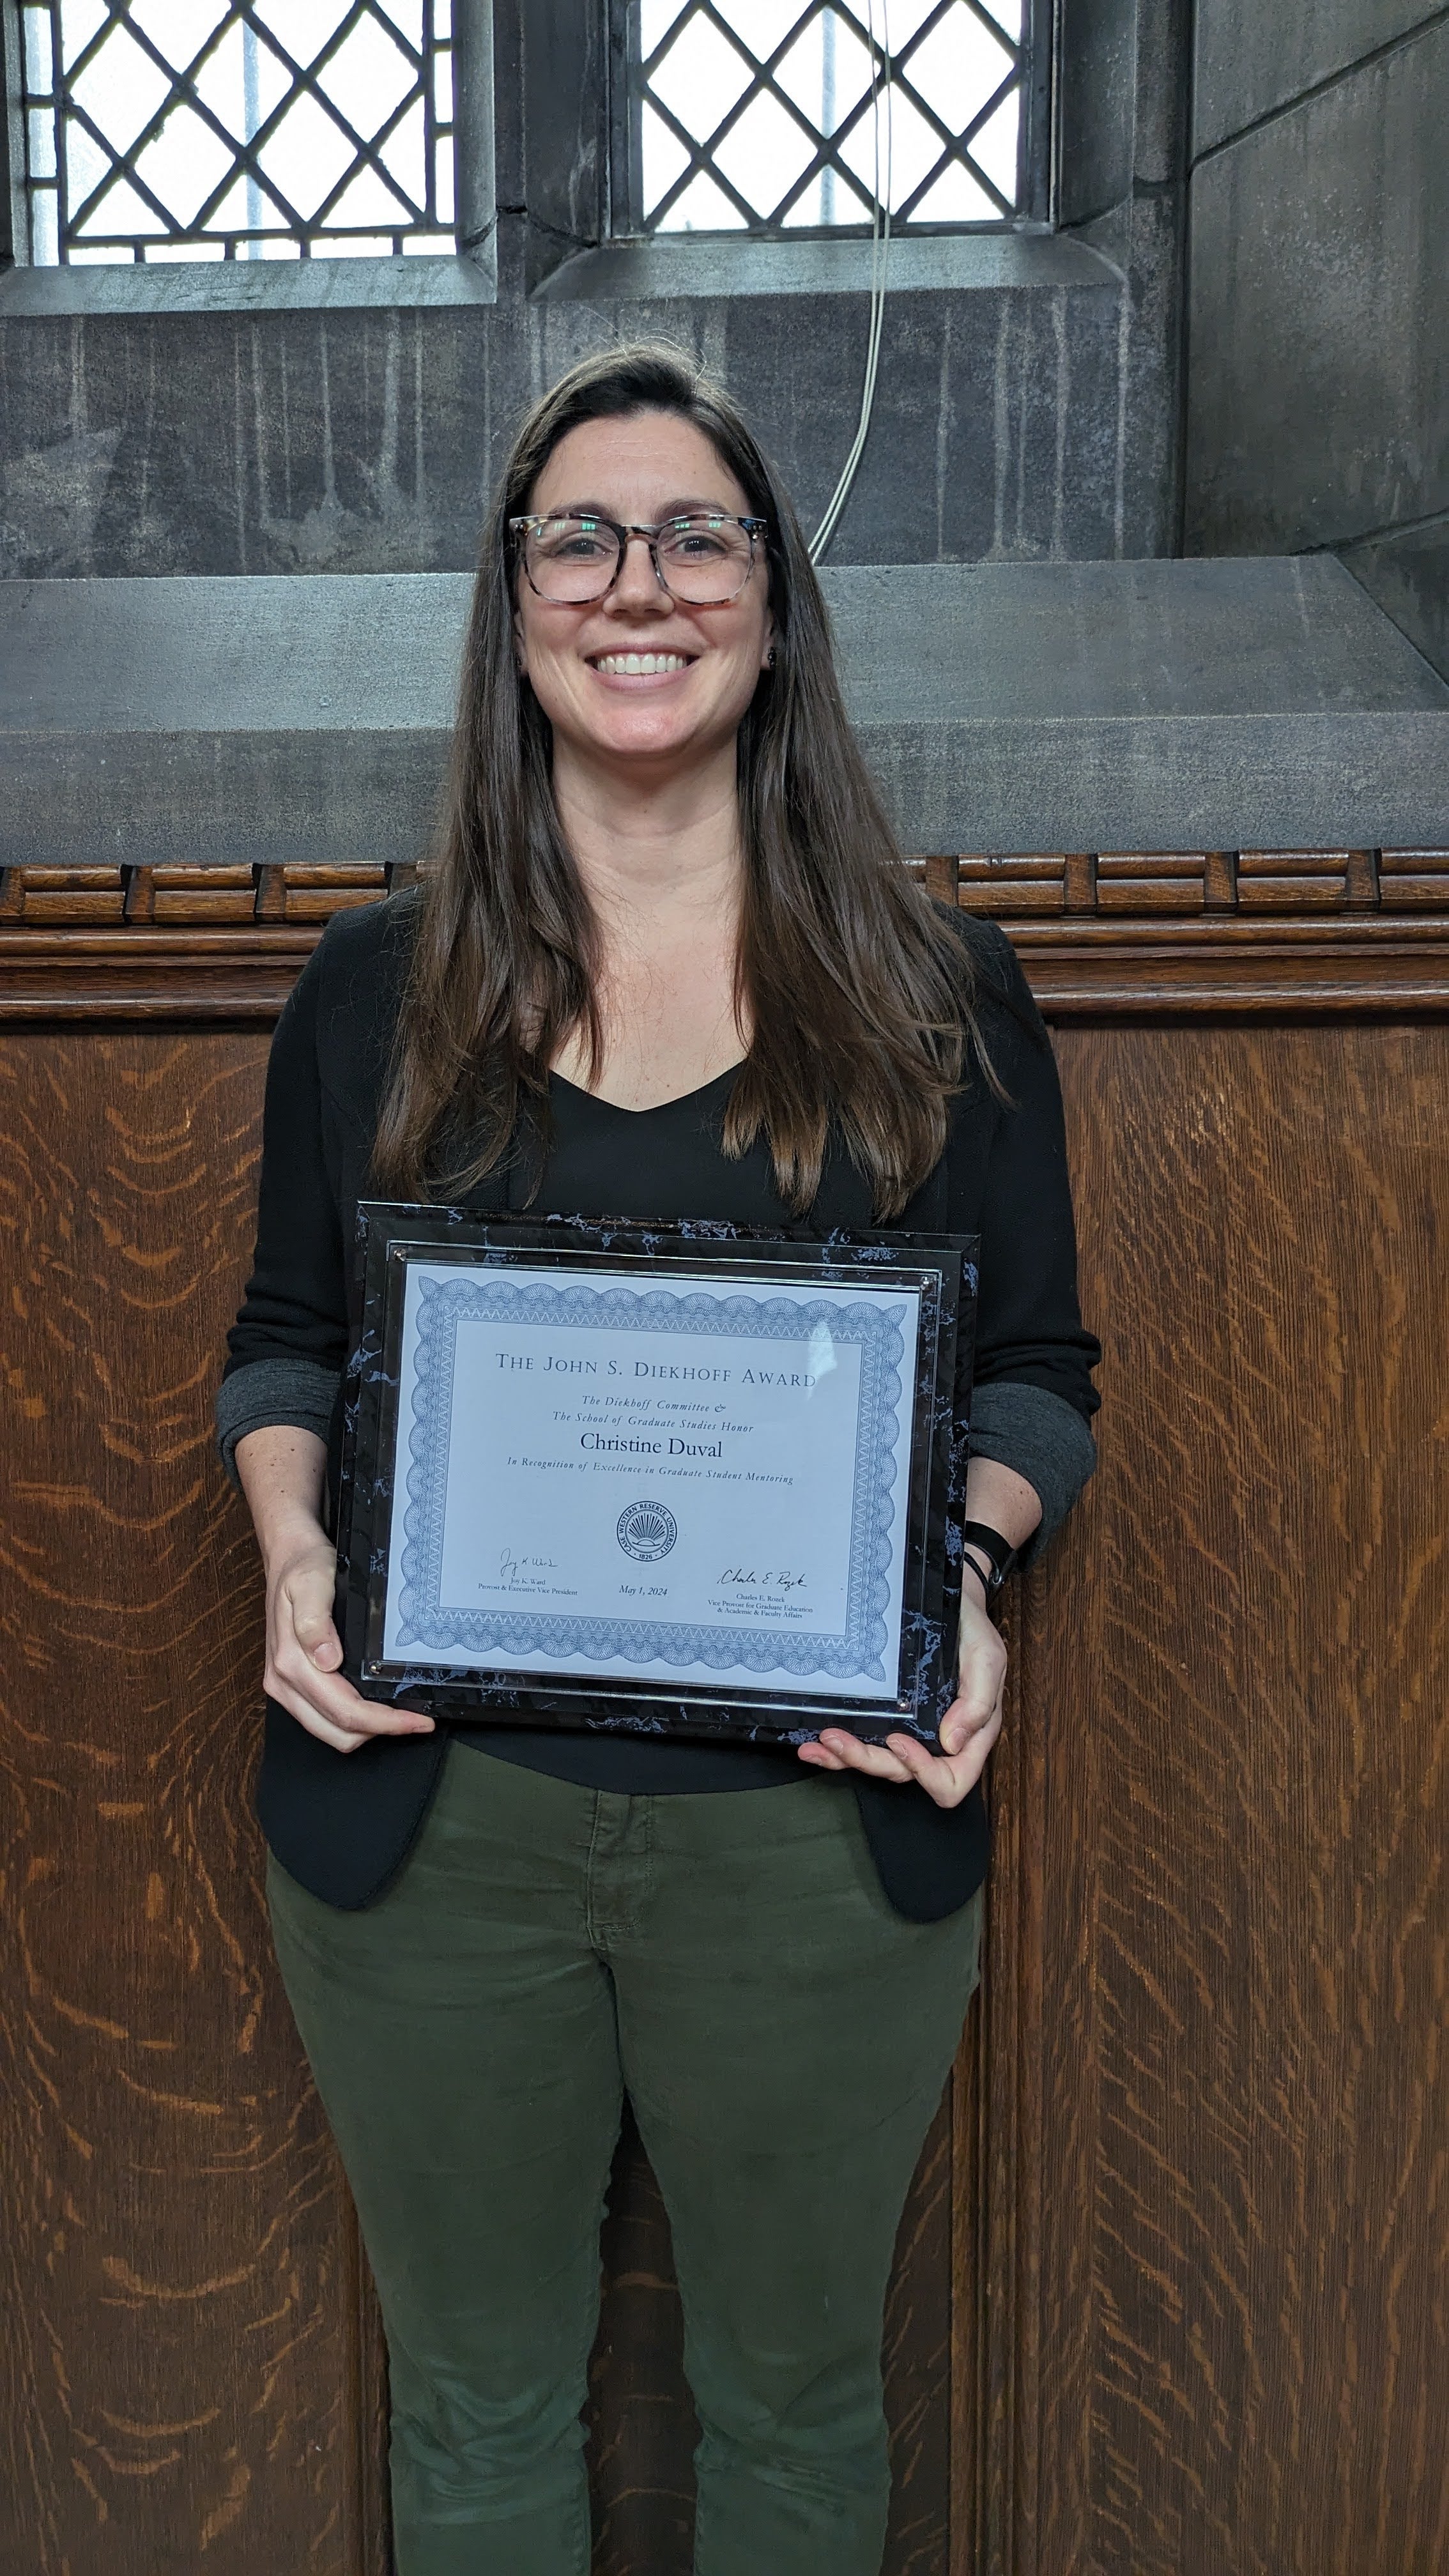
{"points": [[690, 1479]]}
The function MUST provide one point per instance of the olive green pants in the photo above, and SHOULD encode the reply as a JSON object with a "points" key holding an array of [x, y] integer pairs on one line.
{"points": [[783, 2035]]}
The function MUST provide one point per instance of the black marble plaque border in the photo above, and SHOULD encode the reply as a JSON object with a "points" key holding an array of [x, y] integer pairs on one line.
{"points": [[941, 1267]]}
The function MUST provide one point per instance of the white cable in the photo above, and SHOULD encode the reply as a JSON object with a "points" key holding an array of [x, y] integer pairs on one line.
{"points": [[880, 259], [880, 251]]}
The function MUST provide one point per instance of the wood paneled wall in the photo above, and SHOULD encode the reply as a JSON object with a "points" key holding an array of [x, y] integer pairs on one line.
{"points": [[1173, 2286], [1218, 2119]]}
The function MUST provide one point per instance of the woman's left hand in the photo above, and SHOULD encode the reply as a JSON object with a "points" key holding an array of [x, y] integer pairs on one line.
{"points": [[968, 1730]]}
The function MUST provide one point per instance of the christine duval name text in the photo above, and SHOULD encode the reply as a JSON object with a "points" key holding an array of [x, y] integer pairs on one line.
{"points": [[654, 1448], [681, 1372]]}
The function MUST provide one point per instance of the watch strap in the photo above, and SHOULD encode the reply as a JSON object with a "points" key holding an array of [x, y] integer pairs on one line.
{"points": [[1000, 1555]]}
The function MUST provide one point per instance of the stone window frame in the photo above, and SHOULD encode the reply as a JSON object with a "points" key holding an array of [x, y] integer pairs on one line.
{"points": [[211, 286], [1037, 90], [534, 219], [555, 140]]}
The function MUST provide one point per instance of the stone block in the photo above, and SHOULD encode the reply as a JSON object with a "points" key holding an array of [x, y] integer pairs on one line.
{"points": [[1008, 706], [1407, 572], [937, 644], [365, 441], [1149, 448], [1097, 89], [1250, 60], [1318, 396], [1164, 47], [994, 414], [1281, 782]]}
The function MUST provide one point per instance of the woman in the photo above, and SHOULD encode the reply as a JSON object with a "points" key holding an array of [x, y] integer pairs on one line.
{"points": [[667, 965]]}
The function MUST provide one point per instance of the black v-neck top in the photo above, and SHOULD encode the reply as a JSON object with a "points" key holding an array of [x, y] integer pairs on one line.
{"points": [[343, 1825], [601, 1160]]}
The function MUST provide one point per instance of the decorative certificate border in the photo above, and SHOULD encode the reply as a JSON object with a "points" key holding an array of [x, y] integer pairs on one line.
{"points": [[426, 1621]]}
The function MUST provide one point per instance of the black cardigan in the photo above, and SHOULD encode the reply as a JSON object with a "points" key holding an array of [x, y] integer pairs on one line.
{"points": [[343, 1824]]}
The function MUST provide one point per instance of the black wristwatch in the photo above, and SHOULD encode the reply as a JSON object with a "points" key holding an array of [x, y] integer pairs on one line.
{"points": [[1000, 1557]]}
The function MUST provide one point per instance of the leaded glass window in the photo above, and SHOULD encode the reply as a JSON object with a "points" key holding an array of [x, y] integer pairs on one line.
{"points": [[278, 129], [757, 115]]}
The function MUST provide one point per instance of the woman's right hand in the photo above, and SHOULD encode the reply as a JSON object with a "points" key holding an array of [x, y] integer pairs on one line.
{"points": [[304, 1651], [282, 1471]]}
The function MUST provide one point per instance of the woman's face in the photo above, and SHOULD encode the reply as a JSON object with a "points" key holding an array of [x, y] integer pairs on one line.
{"points": [[639, 471]]}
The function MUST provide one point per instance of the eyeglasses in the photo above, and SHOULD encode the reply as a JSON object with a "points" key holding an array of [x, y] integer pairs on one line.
{"points": [[702, 559]]}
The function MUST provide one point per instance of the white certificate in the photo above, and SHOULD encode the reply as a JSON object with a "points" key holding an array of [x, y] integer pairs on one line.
{"points": [[692, 1479]]}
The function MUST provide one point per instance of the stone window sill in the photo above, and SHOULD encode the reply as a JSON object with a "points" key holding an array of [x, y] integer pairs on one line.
{"points": [[684, 265], [251, 286]]}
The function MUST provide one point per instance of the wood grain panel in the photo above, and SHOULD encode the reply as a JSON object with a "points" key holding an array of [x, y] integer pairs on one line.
{"points": [[1228, 1971], [196, 2372], [1191, 2264], [191, 2377], [917, 2356], [642, 2426]]}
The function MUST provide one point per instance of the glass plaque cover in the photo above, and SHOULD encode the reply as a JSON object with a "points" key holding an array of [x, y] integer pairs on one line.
{"points": [[688, 1479]]}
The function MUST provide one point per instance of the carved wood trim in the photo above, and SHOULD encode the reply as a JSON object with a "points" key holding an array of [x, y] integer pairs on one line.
{"points": [[147, 943], [1102, 935], [1106, 935]]}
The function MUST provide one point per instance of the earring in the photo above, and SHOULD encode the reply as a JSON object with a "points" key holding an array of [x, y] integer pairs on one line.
{"points": [[770, 659]]}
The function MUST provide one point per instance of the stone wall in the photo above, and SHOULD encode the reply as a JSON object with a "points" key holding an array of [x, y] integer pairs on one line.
{"points": [[364, 440], [1042, 398], [1027, 407], [1318, 335]]}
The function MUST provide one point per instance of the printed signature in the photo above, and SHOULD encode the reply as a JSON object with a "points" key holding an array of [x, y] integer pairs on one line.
{"points": [[777, 1580]]}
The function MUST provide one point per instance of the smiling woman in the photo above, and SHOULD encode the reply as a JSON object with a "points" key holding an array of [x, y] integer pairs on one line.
{"points": [[816, 966], [666, 966]]}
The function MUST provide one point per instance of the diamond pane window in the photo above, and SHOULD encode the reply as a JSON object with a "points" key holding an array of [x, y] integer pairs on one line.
{"points": [[163, 130], [759, 115]]}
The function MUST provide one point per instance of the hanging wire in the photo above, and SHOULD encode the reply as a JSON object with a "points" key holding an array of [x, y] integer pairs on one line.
{"points": [[880, 244]]}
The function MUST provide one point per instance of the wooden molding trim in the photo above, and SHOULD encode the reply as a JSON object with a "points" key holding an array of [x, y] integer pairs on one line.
{"points": [[1101, 935], [191, 943], [1175, 933]]}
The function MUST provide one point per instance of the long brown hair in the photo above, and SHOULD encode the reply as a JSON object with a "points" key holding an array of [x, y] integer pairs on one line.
{"points": [[860, 997]]}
